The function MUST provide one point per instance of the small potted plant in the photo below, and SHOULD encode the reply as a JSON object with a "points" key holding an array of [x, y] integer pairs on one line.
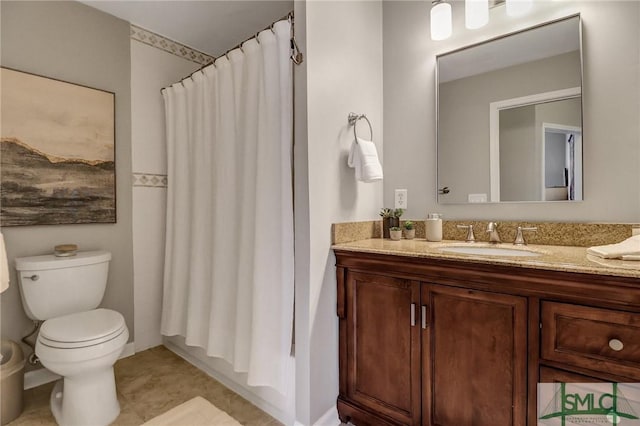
{"points": [[409, 230], [395, 232], [388, 220]]}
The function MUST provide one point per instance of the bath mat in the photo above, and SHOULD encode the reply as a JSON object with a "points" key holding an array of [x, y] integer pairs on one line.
{"points": [[197, 411]]}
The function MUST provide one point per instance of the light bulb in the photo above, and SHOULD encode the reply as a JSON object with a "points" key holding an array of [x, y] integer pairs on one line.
{"points": [[441, 25], [476, 13], [518, 7]]}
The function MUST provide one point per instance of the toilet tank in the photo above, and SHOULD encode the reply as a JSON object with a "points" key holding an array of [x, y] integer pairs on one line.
{"points": [[52, 286]]}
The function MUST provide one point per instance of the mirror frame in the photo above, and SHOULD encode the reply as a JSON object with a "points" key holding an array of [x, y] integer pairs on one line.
{"points": [[494, 152]]}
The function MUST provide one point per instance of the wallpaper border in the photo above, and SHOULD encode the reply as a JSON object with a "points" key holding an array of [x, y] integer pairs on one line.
{"points": [[150, 180], [170, 46]]}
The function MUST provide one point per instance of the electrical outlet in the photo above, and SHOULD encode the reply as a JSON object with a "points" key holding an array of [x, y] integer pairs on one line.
{"points": [[401, 199]]}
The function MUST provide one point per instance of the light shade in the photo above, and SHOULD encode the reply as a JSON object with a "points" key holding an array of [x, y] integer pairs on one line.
{"points": [[518, 7], [476, 13], [441, 25]]}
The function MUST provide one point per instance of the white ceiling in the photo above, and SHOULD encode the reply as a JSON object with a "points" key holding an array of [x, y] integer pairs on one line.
{"points": [[211, 26]]}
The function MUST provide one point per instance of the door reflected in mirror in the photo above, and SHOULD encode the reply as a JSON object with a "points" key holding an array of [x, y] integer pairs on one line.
{"points": [[510, 118]]}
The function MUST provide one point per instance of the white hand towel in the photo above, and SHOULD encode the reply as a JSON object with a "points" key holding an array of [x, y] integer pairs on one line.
{"points": [[4, 266], [630, 246], [634, 257], [364, 158]]}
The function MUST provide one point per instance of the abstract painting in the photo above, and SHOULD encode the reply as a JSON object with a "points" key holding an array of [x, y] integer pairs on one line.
{"points": [[57, 147]]}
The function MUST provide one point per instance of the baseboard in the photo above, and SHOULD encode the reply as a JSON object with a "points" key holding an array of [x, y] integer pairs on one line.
{"points": [[129, 350], [265, 406], [43, 376], [330, 418], [38, 377]]}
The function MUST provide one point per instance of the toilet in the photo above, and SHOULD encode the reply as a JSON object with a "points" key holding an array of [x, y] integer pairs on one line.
{"points": [[76, 340]]}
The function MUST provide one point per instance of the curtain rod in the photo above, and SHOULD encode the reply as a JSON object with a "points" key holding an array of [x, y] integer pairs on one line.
{"points": [[296, 57]]}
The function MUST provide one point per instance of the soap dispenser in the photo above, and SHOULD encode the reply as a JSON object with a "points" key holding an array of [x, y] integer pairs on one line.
{"points": [[433, 227]]}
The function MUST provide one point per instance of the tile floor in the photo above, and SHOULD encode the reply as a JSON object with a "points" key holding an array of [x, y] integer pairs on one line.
{"points": [[150, 383]]}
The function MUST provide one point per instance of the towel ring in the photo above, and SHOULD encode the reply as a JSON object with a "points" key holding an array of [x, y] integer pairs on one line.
{"points": [[354, 118]]}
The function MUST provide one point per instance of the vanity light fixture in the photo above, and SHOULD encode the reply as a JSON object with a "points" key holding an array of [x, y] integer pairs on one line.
{"points": [[441, 20], [518, 7], [476, 13]]}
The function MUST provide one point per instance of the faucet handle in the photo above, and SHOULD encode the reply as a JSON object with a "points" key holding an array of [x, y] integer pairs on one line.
{"points": [[520, 238], [470, 237]]}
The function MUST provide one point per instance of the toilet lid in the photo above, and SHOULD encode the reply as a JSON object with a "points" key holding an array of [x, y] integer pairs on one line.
{"points": [[82, 329]]}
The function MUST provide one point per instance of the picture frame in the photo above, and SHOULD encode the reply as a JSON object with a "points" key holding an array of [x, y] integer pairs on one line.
{"points": [[57, 152]]}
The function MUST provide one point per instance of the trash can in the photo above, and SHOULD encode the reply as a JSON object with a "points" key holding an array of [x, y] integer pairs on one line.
{"points": [[11, 381]]}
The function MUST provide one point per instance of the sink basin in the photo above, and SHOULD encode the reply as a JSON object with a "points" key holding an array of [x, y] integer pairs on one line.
{"points": [[487, 250]]}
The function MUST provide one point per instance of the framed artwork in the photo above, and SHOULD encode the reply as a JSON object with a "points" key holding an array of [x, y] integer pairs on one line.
{"points": [[57, 152]]}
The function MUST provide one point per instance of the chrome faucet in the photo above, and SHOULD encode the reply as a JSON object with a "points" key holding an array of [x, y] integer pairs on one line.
{"points": [[470, 237], [492, 229]]}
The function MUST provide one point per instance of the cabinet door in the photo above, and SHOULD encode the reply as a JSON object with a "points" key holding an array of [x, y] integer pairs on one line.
{"points": [[474, 358], [383, 346]]}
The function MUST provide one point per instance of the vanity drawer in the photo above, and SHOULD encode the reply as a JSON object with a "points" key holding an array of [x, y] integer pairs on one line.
{"points": [[593, 338], [553, 375]]}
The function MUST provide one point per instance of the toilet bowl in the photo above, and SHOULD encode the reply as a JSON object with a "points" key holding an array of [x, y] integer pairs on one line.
{"points": [[77, 340], [82, 348]]}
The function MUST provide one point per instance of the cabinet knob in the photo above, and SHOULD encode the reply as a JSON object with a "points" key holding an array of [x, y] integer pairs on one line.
{"points": [[616, 344]]}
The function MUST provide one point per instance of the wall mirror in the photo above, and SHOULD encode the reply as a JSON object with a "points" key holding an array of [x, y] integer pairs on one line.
{"points": [[509, 123]]}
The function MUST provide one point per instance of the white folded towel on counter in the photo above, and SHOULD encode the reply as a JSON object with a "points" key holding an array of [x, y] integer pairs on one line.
{"points": [[627, 248], [364, 158]]}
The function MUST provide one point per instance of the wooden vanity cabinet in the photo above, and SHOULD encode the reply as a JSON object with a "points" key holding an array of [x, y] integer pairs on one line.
{"points": [[438, 342]]}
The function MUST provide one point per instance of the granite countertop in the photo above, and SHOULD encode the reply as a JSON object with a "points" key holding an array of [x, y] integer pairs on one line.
{"points": [[555, 258]]}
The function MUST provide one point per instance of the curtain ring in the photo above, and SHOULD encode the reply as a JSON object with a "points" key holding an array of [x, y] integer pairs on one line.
{"points": [[353, 120], [296, 55]]}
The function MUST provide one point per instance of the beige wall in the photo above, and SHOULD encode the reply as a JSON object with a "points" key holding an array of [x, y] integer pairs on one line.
{"points": [[611, 38], [342, 73], [151, 69], [73, 42]]}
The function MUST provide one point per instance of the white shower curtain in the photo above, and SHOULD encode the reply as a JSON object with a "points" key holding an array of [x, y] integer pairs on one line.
{"points": [[228, 279]]}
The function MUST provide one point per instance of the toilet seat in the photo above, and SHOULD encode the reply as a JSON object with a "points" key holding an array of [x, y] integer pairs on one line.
{"points": [[82, 329]]}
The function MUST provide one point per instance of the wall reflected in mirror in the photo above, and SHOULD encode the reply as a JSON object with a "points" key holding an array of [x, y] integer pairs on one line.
{"points": [[510, 118]]}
